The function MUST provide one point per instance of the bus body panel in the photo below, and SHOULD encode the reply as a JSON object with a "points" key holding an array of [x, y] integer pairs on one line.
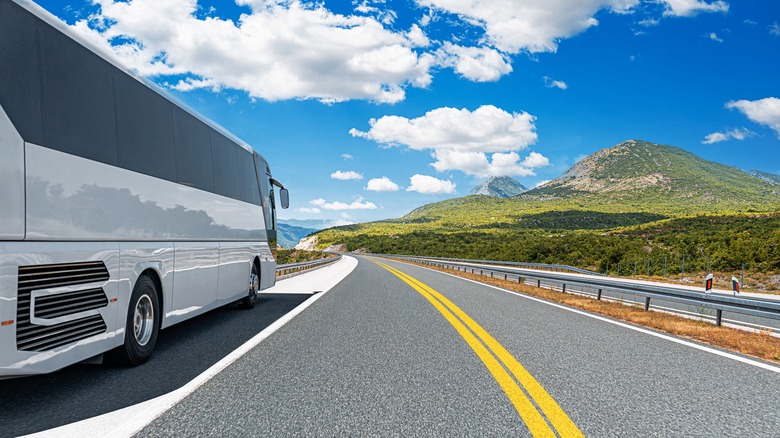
{"points": [[156, 258], [73, 198], [14, 362], [11, 180], [196, 269]]}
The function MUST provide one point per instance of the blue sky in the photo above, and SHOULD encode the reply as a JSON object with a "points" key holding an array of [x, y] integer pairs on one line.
{"points": [[429, 97]]}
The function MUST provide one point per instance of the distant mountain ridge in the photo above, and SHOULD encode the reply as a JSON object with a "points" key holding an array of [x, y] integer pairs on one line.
{"points": [[499, 187], [289, 235]]}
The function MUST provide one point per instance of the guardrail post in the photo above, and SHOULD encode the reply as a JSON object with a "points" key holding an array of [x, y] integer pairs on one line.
{"points": [[598, 297], [538, 283], [718, 317], [563, 289], [647, 304], [504, 277], [520, 280]]}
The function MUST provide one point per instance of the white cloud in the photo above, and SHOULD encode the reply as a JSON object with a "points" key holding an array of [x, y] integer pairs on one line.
{"points": [[429, 185], [462, 139], [357, 204], [479, 64], [774, 29], [346, 157], [542, 182], [714, 37], [689, 8], [282, 49], [649, 22], [312, 210], [485, 129], [345, 176], [383, 184], [736, 134], [530, 25], [763, 111], [551, 83], [534, 160], [299, 49]]}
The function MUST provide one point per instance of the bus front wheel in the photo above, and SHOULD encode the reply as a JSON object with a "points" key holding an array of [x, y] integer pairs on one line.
{"points": [[248, 302], [142, 325]]}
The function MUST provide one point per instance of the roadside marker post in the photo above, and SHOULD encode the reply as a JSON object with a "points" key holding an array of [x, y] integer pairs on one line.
{"points": [[708, 283], [735, 285]]}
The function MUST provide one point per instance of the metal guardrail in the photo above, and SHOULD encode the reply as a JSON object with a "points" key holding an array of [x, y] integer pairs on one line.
{"points": [[720, 303], [543, 266], [293, 269]]}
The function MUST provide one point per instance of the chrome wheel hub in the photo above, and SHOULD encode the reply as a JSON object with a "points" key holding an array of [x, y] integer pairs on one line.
{"points": [[143, 320]]}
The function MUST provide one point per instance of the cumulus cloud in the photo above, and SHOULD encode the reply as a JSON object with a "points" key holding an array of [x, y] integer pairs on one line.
{"points": [[283, 49], [763, 111], [483, 142], [383, 184], [429, 185], [531, 25], [479, 64], [346, 157], [300, 49], [736, 134], [310, 210], [689, 8], [346, 176], [552, 83], [714, 37], [357, 204]]}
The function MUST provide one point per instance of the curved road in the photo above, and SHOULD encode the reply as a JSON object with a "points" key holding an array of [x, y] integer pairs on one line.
{"points": [[399, 350]]}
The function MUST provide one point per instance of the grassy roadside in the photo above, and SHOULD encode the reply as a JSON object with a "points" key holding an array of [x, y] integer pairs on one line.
{"points": [[760, 345]]}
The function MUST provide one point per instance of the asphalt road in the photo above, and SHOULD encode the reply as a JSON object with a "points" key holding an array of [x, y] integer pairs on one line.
{"points": [[375, 357], [33, 404]]}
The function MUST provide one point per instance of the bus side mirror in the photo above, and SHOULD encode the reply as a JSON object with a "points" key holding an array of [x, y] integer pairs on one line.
{"points": [[285, 198]]}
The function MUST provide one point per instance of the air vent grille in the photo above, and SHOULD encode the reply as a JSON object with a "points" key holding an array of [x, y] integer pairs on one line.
{"points": [[32, 337]]}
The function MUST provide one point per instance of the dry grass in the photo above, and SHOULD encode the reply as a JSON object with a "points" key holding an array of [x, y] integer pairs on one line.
{"points": [[761, 345]]}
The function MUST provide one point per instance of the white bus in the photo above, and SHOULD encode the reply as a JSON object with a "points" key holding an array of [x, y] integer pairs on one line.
{"points": [[121, 212]]}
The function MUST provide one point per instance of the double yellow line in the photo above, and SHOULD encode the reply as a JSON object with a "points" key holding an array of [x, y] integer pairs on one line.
{"points": [[501, 363]]}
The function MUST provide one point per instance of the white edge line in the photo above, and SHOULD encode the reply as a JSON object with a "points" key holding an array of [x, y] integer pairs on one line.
{"points": [[622, 324], [147, 412]]}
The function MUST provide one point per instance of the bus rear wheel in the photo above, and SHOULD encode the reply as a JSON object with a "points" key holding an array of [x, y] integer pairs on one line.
{"points": [[142, 325], [248, 302]]}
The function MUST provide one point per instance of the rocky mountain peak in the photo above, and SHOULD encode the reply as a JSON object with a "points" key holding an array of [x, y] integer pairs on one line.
{"points": [[499, 187]]}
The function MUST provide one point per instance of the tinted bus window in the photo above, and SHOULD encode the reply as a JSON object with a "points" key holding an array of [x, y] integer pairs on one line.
{"points": [[250, 192], [77, 98], [224, 154], [193, 151], [144, 128], [20, 93]]}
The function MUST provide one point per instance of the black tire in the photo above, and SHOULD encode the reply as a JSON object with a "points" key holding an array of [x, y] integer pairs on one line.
{"points": [[248, 302], [142, 325]]}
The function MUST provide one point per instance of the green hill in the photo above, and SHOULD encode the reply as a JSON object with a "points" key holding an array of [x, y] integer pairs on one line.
{"points": [[653, 176], [600, 212]]}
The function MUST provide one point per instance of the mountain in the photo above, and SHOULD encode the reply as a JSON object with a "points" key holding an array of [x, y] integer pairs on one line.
{"points": [[499, 187], [289, 235], [768, 177], [647, 175]]}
